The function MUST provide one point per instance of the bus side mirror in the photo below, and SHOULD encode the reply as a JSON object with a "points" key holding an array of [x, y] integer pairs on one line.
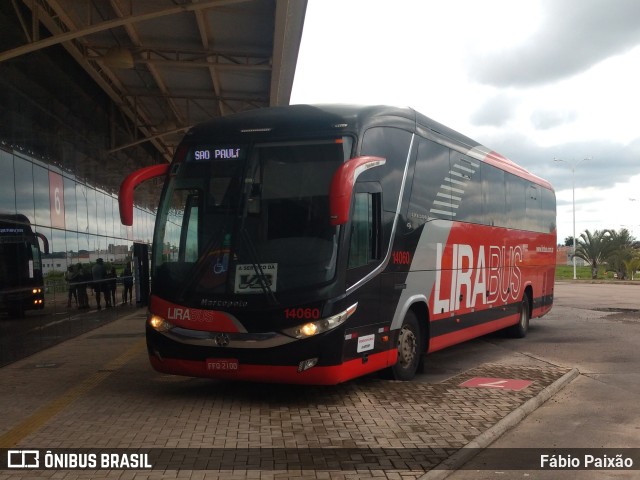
{"points": [[342, 186], [45, 242], [125, 197]]}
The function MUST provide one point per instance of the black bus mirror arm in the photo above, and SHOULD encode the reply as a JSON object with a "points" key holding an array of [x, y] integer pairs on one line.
{"points": [[45, 242]]}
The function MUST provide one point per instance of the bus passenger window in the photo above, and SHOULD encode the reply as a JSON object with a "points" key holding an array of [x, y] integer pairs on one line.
{"points": [[365, 230]]}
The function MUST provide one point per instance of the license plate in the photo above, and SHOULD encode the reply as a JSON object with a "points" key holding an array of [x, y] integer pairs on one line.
{"points": [[222, 364]]}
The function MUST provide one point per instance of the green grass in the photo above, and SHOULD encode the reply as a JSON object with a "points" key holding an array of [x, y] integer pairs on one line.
{"points": [[565, 272]]}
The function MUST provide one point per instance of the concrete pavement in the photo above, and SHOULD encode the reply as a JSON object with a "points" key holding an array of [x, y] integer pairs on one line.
{"points": [[98, 392]]}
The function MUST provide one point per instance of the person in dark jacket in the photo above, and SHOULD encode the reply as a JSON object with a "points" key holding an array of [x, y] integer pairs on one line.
{"points": [[99, 274], [71, 276], [127, 284], [81, 287], [111, 286]]}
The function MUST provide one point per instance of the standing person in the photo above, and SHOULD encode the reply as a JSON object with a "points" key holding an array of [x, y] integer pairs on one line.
{"points": [[81, 287], [99, 274], [71, 276], [127, 282], [111, 286]]}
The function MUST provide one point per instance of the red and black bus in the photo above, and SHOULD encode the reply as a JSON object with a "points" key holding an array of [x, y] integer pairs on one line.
{"points": [[316, 244], [21, 280]]}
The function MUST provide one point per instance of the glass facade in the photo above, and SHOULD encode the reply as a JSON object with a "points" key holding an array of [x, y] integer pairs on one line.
{"points": [[57, 168], [76, 223], [79, 219]]}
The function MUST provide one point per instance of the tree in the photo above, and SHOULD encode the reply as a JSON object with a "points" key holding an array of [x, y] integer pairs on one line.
{"points": [[632, 266], [568, 241], [622, 238], [594, 248], [621, 252]]}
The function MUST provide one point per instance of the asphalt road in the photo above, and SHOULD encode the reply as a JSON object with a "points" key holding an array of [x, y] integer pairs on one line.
{"points": [[594, 328]]}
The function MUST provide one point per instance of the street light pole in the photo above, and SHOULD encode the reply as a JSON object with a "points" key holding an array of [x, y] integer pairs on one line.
{"points": [[573, 189]]}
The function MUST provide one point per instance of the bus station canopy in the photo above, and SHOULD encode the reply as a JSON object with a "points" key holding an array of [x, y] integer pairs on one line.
{"points": [[165, 65]]}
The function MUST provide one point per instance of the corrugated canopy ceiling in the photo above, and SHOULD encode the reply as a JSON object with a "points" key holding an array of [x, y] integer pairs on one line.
{"points": [[170, 64]]}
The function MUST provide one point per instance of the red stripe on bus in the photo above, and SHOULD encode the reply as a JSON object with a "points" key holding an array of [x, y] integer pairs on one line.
{"points": [[195, 318], [329, 375], [444, 341]]}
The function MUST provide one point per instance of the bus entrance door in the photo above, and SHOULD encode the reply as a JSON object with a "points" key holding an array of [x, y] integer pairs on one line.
{"points": [[141, 273]]}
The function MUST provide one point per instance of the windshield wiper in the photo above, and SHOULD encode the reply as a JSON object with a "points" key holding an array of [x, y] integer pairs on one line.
{"points": [[254, 258], [257, 267]]}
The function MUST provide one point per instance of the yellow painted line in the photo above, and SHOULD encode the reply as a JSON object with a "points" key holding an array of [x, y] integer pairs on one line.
{"points": [[44, 414]]}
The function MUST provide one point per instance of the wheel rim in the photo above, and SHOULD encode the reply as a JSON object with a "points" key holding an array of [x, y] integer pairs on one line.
{"points": [[407, 347]]}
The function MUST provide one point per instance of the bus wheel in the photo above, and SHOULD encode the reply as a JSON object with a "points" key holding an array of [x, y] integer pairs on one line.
{"points": [[520, 329], [409, 351]]}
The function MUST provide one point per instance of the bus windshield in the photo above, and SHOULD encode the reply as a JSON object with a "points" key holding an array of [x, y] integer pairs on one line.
{"points": [[19, 264], [21, 283], [247, 219]]}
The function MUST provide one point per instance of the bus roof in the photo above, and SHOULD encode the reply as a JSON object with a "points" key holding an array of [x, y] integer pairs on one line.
{"points": [[338, 119], [15, 219]]}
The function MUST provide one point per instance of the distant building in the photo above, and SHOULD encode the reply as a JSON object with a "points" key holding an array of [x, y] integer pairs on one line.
{"points": [[564, 257], [59, 262]]}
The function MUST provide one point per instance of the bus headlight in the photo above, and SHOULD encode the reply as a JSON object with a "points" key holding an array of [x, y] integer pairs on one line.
{"points": [[159, 324], [320, 326]]}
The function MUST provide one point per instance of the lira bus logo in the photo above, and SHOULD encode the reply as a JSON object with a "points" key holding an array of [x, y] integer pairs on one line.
{"points": [[486, 275], [178, 314]]}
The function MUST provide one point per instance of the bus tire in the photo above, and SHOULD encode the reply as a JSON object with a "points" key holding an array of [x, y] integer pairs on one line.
{"points": [[520, 329], [409, 349]]}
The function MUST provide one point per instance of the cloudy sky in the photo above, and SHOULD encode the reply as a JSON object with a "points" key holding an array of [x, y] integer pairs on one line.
{"points": [[532, 80]]}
